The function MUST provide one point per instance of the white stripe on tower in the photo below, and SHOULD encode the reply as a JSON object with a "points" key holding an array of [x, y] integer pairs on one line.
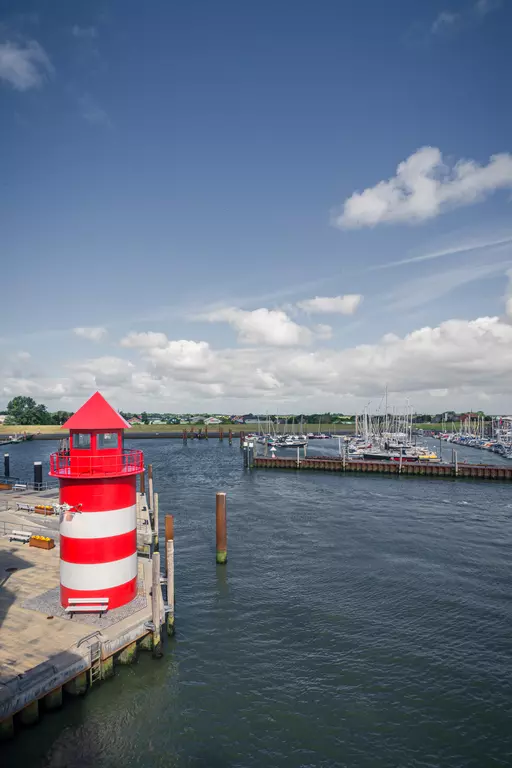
{"points": [[99, 525], [98, 576]]}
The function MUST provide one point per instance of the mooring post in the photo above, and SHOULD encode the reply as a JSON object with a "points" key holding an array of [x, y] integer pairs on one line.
{"points": [[246, 454], [38, 475], [7, 465], [221, 529], [400, 462], [155, 604], [456, 464], [230, 436], [169, 530], [142, 483], [170, 587], [241, 435], [150, 487], [205, 432], [298, 457], [221, 433], [155, 518], [305, 450]]}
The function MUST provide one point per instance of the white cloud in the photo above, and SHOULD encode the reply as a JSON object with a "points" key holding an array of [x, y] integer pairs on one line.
{"points": [[342, 305], [454, 250], [483, 7], [145, 340], [262, 326], [323, 331], [24, 67], [92, 112], [104, 371], [91, 333], [84, 33], [182, 355], [23, 355], [444, 21], [454, 365], [424, 187]]}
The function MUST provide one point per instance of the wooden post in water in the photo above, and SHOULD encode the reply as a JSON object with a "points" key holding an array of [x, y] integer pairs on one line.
{"points": [[221, 529], [150, 487], [142, 483], [7, 470], [241, 435], [155, 604], [155, 518], [456, 463], [230, 436], [185, 435], [169, 529], [205, 432], [298, 457], [221, 433], [170, 586]]}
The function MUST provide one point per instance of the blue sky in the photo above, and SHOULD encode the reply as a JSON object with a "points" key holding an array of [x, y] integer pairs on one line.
{"points": [[181, 210]]}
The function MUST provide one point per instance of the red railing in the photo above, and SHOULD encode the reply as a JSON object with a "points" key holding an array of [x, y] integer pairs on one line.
{"points": [[63, 464]]}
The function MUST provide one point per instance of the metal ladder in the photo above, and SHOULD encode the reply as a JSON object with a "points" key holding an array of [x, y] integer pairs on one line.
{"points": [[95, 670]]}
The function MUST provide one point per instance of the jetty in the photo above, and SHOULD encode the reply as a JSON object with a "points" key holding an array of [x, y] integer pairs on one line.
{"points": [[349, 466]]}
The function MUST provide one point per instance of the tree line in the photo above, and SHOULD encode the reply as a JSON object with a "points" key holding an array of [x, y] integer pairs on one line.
{"points": [[24, 411]]}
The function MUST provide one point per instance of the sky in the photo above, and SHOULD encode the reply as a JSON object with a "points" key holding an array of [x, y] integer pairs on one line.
{"points": [[256, 206]]}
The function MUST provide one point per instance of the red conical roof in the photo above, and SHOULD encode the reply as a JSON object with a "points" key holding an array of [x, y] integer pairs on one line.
{"points": [[96, 413]]}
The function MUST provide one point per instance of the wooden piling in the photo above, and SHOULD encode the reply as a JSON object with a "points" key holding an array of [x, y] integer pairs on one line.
{"points": [[221, 433], [221, 529], [155, 518], [170, 587], [155, 604], [230, 436], [150, 487], [169, 535], [142, 482], [185, 436]]}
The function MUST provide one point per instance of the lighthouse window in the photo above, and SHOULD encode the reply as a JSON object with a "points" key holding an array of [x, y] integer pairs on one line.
{"points": [[107, 440], [82, 440]]}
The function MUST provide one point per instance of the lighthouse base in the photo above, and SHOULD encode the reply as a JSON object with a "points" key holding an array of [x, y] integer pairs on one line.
{"points": [[117, 596]]}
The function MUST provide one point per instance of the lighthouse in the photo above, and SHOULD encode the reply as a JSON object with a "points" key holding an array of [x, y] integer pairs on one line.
{"points": [[98, 526]]}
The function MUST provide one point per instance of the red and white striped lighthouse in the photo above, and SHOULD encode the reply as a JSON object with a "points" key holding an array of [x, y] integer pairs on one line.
{"points": [[98, 530]]}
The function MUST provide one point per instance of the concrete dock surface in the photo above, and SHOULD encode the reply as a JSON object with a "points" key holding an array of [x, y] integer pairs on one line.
{"points": [[41, 647]]}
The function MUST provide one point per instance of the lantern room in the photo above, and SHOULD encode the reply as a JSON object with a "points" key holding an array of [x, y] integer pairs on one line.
{"points": [[96, 443]]}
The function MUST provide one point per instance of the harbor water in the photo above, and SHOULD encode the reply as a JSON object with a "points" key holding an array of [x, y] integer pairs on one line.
{"points": [[361, 621]]}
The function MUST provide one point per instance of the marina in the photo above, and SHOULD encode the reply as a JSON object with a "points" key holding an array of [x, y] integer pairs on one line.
{"points": [[358, 620]]}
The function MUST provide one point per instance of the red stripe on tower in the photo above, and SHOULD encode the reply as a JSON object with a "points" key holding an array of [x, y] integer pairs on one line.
{"points": [[98, 533]]}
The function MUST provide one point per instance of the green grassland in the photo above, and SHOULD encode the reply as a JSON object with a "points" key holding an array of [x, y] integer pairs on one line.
{"points": [[235, 428]]}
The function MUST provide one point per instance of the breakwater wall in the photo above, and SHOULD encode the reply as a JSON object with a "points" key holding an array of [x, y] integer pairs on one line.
{"points": [[328, 464]]}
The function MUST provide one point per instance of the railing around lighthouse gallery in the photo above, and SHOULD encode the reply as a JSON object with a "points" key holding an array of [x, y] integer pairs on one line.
{"points": [[63, 464]]}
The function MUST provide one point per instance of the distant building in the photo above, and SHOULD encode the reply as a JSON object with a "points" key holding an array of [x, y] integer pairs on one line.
{"points": [[2, 419], [212, 420], [237, 419], [135, 420], [157, 421]]}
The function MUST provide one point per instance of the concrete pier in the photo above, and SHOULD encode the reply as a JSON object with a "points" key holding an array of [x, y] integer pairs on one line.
{"points": [[43, 651]]}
